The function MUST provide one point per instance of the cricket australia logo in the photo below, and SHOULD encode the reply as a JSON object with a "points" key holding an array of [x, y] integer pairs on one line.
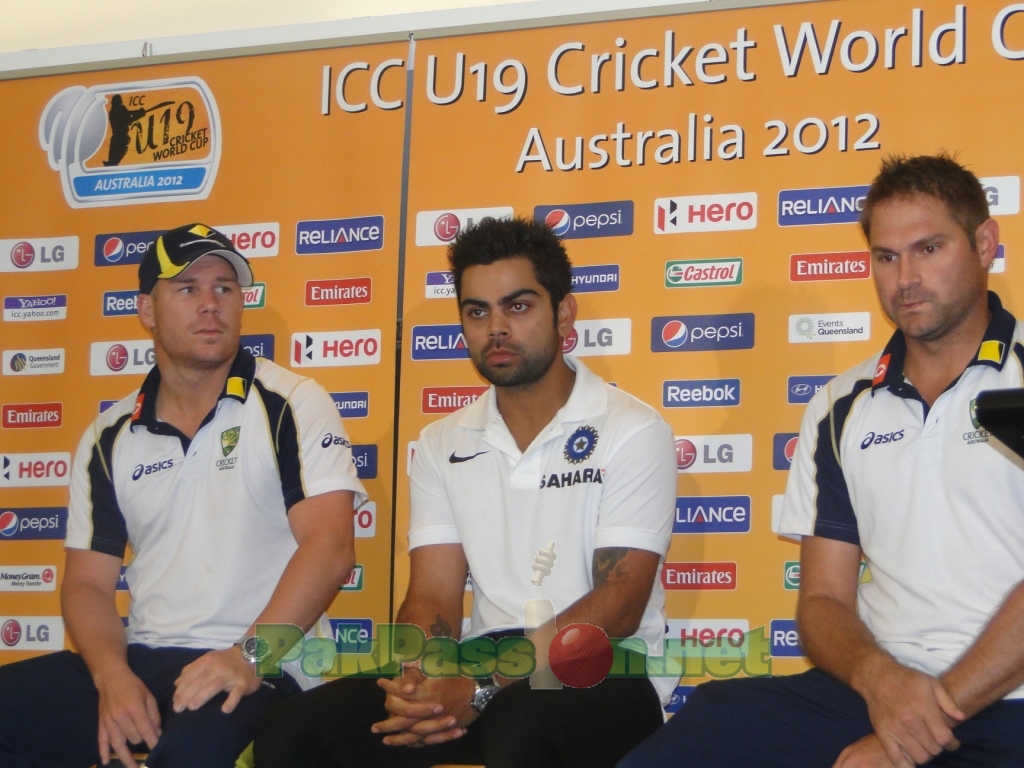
{"points": [[580, 445], [228, 441]]}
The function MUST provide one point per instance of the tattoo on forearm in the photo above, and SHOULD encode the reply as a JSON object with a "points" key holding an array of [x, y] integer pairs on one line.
{"points": [[440, 627], [608, 567]]}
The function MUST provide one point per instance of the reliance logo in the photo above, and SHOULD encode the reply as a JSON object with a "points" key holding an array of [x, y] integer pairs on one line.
{"points": [[712, 514], [438, 342], [698, 333], [824, 205], [315, 238], [705, 213], [336, 348]]}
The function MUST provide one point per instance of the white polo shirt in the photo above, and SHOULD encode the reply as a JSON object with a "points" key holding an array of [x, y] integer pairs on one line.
{"points": [[207, 518], [601, 474], [935, 503]]}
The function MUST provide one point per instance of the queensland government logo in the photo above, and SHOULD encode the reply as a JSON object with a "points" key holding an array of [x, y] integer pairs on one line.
{"points": [[146, 141]]}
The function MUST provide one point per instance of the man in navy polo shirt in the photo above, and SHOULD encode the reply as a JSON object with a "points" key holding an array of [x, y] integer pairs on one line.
{"points": [[923, 664], [219, 473]]}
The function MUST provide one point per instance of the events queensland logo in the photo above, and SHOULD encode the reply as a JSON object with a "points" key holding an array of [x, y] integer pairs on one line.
{"points": [[121, 143]]}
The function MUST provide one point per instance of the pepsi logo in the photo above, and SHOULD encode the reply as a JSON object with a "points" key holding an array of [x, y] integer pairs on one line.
{"points": [[48, 575], [674, 334], [447, 227], [559, 221], [790, 450], [10, 633], [117, 357], [113, 249], [686, 453], [569, 342], [8, 523], [22, 255]]}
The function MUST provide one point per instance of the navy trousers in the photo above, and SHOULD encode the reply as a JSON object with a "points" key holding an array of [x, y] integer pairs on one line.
{"points": [[49, 713], [804, 721]]}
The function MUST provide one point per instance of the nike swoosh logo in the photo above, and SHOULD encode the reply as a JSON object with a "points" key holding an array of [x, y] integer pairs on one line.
{"points": [[453, 459]]}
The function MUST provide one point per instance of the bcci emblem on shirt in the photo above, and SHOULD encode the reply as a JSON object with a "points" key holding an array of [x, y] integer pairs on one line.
{"points": [[228, 441]]}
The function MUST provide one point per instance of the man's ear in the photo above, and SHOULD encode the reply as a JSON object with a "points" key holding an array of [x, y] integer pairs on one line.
{"points": [[566, 316], [986, 239], [144, 306]]}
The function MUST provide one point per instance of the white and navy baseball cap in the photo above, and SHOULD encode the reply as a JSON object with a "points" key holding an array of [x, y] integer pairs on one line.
{"points": [[176, 250]]}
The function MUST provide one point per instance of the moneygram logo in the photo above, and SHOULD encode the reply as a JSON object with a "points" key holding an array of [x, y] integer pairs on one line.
{"points": [[254, 240], [591, 338], [441, 227], [698, 333], [109, 358], [1003, 194], [39, 254], [145, 141], [705, 213], [28, 308], [30, 415], [601, 277], [438, 342], [336, 348], [571, 222], [28, 578], [449, 399], [440, 285], [316, 238], [33, 362], [123, 247], [696, 393], [783, 449], [33, 523], [21, 470], [800, 389], [349, 290], [824, 205], [852, 265], [714, 453], [712, 514], [841, 326], [695, 272], [698, 576]]}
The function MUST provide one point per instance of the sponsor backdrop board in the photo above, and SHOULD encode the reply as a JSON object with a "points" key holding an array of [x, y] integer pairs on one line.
{"points": [[706, 170], [106, 161]]}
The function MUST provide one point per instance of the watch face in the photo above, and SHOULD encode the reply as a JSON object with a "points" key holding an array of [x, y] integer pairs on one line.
{"points": [[256, 648]]}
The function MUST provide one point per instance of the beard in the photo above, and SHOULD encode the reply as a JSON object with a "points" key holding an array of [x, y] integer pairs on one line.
{"points": [[527, 369]]}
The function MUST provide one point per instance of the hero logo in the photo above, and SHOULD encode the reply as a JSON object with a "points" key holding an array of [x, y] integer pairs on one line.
{"points": [[714, 453], [783, 449], [39, 254], [825, 205], [696, 333], [365, 519], [438, 342], [705, 213], [121, 357], [441, 227], [712, 514], [253, 240], [151, 469], [587, 219], [336, 348], [590, 338], [881, 438], [315, 238], [118, 248], [34, 523], [27, 469], [709, 633]]}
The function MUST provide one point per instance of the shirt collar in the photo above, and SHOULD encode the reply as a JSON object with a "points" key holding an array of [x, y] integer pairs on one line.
{"points": [[993, 350], [588, 398], [236, 387]]}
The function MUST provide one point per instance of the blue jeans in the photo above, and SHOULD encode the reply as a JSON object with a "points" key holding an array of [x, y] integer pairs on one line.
{"points": [[49, 713]]}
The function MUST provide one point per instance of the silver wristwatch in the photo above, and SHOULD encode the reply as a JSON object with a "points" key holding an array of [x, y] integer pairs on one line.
{"points": [[255, 649], [485, 690]]}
